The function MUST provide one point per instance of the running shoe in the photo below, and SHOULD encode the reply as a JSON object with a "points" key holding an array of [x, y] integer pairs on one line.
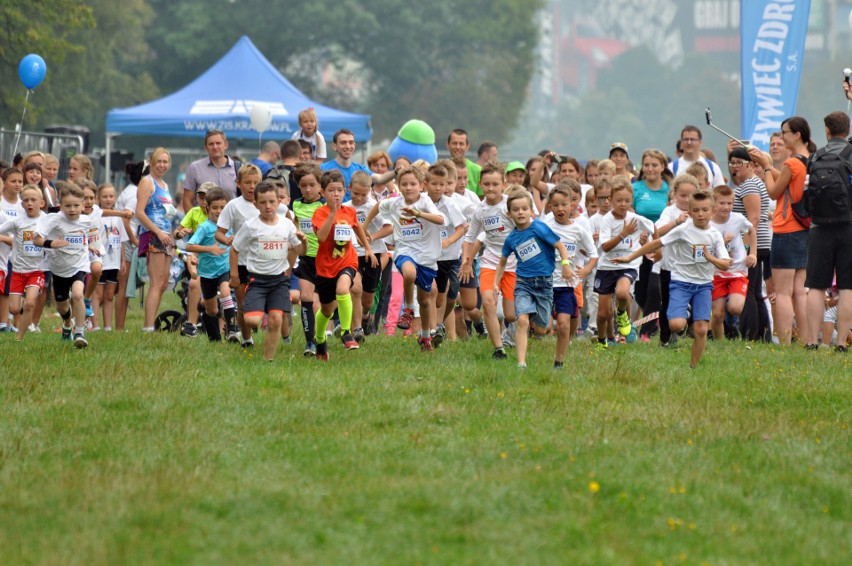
{"points": [[405, 320], [499, 354], [310, 349], [33, 328], [338, 331], [602, 346], [425, 344], [188, 329], [359, 335], [623, 321], [247, 343], [481, 331], [438, 338], [349, 341], [80, 340], [66, 332], [322, 351], [234, 335], [631, 337]]}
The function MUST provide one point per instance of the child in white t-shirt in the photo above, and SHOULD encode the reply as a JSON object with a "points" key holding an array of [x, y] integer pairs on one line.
{"points": [[268, 246], [28, 261], [697, 250], [416, 224], [620, 231], [309, 132], [730, 287], [65, 234]]}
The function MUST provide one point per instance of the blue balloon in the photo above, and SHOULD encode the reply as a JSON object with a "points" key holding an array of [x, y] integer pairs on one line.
{"points": [[401, 148], [32, 70]]}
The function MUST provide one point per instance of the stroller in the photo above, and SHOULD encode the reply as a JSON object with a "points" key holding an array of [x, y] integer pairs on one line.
{"points": [[172, 320]]}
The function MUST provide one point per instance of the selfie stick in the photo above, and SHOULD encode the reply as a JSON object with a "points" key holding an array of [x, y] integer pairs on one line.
{"points": [[720, 130], [847, 72]]}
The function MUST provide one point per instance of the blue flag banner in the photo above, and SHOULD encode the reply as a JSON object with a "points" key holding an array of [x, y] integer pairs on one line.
{"points": [[772, 53]]}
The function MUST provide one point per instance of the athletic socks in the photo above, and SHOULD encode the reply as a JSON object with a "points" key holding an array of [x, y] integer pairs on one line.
{"points": [[309, 321], [211, 327], [321, 324], [344, 309]]}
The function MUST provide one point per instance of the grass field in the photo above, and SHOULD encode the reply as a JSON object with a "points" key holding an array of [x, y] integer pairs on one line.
{"points": [[161, 449]]}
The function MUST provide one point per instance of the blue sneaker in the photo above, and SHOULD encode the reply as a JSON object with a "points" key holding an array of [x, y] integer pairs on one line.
{"points": [[89, 311], [66, 332], [631, 338]]}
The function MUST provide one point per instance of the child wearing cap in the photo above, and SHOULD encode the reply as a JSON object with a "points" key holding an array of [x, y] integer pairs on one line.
{"points": [[618, 155]]}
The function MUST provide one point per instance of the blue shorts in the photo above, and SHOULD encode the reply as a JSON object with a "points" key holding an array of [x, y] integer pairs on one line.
{"points": [[565, 302], [789, 251], [681, 295], [425, 275], [294, 281], [534, 297]]}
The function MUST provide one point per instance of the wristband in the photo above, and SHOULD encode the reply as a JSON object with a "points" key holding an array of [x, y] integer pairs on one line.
{"points": [[566, 262], [767, 169], [48, 244]]}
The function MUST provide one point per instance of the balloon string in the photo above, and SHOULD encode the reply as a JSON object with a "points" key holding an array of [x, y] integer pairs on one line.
{"points": [[21, 125]]}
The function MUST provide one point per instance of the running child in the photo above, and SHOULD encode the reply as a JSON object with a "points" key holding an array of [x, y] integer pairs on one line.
{"points": [[10, 208], [236, 213], [672, 216], [195, 217], [534, 246], [416, 225], [269, 246], [578, 242], [619, 235], [449, 262], [214, 269], [95, 237], [697, 250], [115, 236], [492, 218], [335, 227], [307, 176], [65, 235], [730, 287], [28, 263], [363, 202]]}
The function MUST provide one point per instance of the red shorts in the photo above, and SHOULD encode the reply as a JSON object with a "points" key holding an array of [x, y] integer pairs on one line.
{"points": [[507, 284], [578, 293], [22, 281], [724, 286]]}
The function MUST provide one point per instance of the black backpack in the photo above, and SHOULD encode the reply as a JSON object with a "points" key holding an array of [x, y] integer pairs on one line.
{"points": [[829, 192]]}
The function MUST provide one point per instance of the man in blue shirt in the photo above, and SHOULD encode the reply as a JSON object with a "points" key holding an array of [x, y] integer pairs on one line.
{"points": [[343, 144]]}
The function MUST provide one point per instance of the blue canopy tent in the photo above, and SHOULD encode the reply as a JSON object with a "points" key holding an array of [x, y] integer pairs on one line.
{"points": [[222, 98]]}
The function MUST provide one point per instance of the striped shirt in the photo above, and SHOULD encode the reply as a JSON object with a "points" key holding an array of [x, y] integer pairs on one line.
{"points": [[754, 186]]}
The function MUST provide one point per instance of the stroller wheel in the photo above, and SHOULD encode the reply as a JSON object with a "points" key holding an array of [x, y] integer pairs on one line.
{"points": [[168, 321]]}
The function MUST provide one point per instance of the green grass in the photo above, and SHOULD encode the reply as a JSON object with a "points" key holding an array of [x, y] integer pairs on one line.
{"points": [[158, 449]]}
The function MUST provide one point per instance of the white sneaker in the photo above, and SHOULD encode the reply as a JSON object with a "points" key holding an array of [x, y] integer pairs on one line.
{"points": [[33, 328]]}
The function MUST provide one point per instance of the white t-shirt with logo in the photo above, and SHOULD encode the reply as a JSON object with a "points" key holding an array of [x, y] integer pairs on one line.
{"points": [[8, 211], [577, 239], [414, 237], [737, 226], [236, 213], [492, 220], [686, 252], [28, 256], [377, 246], [68, 260], [453, 218], [264, 247], [610, 226]]}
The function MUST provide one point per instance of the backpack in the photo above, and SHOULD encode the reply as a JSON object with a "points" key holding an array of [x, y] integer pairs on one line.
{"points": [[828, 195], [799, 208]]}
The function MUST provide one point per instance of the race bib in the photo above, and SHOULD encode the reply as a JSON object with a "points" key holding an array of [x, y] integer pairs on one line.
{"points": [[30, 249], [698, 253], [444, 234], [571, 248], [342, 232], [306, 226], [411, 233], [528, 250], [271, 249], [114, 240], [492, 223], [76, 241], [94, 236]]}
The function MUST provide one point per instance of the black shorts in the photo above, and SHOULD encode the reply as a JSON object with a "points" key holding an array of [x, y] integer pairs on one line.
{"points": [[108, 276], [370, 275], [606, 281], [448, 276], [8, 284], [326, 287], [62, 285], [307, 269], [243, 274], [829, 253], [266, 294], [210, 286]]}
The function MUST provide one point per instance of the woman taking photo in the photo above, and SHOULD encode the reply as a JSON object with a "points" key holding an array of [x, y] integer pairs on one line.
{"points": [[154, 211], [789, 236]]}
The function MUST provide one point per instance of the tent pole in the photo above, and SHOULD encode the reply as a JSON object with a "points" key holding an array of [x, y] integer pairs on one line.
{"points": [[107, 157]]}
